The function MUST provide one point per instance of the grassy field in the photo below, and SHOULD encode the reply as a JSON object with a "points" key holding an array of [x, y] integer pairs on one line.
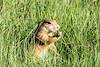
{"points": [[79, 21]]}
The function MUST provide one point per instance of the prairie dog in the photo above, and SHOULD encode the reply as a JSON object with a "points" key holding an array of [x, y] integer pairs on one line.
{"points": [[46, 36]]}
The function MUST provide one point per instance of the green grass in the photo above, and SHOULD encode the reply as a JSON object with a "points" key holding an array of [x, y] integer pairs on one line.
{"points": [[79, 21]]}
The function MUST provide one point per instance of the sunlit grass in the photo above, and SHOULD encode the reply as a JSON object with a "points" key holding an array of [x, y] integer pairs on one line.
{"points": [[79, 21]]}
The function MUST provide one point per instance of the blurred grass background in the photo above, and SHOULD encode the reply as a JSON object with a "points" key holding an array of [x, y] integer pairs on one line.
{"points": [[79, 21]]}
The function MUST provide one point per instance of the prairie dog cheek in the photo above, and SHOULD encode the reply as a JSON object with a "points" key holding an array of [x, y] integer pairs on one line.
{"points": [[50, 34]]}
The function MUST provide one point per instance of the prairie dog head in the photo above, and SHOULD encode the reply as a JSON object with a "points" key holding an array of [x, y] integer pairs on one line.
{"points": [[51, 25], [46, 29]]}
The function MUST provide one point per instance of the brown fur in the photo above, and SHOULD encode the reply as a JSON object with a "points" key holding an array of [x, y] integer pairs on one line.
{"points": [[45, 39]]}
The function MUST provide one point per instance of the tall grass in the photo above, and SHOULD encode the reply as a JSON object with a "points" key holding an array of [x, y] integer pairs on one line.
{"points": [[79, 21]]}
